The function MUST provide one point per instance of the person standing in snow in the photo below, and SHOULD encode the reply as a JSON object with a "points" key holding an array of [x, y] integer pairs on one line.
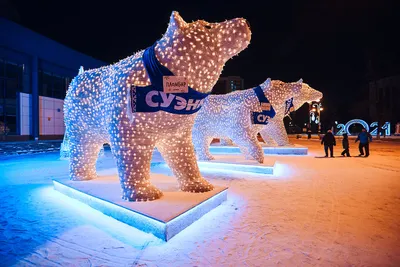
{"points": [[328, 141], [346, 147], [308, 131], [364, 139]]}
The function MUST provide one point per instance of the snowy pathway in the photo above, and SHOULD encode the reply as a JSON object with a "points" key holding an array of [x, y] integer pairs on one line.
{"points": [[324, 212]]}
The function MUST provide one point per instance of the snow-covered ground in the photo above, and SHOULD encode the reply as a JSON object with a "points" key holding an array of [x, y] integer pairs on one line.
{"points": [[325, 212]]}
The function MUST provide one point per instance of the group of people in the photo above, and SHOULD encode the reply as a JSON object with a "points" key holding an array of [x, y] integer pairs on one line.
{"points": [[329, 142]]}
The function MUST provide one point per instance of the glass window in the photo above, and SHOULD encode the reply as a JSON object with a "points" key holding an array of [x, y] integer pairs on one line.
{"points": [[51, 85], [2, 91], [13, 71], [11, 88], [2, 64], [11, 110], [11, 76], [59, 87], [11, 122], [46, 85]]}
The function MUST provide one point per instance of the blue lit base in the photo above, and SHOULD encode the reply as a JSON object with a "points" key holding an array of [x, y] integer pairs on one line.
{"points": [[268, 150], [226, 164], [164, 218], [237, 167], [238, 163]]}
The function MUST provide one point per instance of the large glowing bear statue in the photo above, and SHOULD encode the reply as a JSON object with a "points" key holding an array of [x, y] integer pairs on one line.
{"points": [[274, 133], [233, 116], [126, 105]]}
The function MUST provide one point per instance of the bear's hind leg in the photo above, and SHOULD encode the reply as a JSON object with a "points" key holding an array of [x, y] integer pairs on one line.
{"points": [[226, 142], [83, 153]]}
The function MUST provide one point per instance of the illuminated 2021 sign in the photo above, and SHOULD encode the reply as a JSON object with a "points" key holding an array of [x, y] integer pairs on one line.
{"points": [[344, 128]]}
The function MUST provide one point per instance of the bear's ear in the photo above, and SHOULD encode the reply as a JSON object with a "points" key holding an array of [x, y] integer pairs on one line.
{"points": [[297, 86], [176, 21], [81, 70], [266, 85]]}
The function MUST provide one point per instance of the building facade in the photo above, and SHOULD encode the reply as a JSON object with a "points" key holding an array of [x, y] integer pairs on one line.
{"points": [[35, 72], [228, 84], [384, 96]]}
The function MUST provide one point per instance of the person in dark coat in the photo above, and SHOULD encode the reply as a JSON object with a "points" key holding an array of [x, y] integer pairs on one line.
{"points": [[364, 139], [345, 143], [328, 141], [309, 133]]}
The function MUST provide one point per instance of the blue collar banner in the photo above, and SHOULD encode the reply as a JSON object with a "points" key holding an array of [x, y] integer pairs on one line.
{"points": [[260, 95], [152, 98], [289, 107], [262, 117], [267, 113]]}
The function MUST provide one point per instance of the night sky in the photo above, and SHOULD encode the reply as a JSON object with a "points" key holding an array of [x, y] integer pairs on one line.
{"points": [[332, 44]]}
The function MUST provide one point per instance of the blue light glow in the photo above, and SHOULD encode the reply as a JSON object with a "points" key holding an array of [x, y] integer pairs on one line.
{"points": [[363, 123], [267, 150], [345, 128], [213, 167], [132, 218], [185, 219], [162, 230], [236, 167], [83, 214]]}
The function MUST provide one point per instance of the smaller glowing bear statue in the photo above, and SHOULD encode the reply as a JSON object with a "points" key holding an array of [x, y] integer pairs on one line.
{"points": [[274, 133], [233, 116]]}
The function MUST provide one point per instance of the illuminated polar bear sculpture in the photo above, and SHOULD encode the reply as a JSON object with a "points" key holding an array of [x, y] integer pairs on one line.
{"points": [[274, 133], [126, 105], [229, 117]]}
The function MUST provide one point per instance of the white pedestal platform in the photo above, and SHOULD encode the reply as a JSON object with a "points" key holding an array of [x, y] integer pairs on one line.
{"points": [[164, 217], [268, 150]]}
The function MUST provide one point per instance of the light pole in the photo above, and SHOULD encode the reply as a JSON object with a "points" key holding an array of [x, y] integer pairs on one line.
{"points": [[315, 109]]}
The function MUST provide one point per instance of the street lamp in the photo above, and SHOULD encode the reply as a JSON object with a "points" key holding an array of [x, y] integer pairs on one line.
{"points": [[315, 109]]}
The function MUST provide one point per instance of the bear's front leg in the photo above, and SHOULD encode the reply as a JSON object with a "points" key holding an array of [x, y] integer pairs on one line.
{"points": [[248, 144], [277, 131], [178, 151], [202, 144], [267, 138], [133, 152]]}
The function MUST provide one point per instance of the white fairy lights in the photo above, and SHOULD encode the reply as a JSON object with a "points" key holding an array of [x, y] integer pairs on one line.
{"points": [[96, 108], [229, 117], [274, 133]]}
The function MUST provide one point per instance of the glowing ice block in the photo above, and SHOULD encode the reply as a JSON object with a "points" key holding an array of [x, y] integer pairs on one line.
{"points": [[164, 217]]}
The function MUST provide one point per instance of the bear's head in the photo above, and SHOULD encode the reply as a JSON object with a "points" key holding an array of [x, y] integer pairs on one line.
{"points": [[199, 50], [281, 91], [301, 93], [306, 94]]}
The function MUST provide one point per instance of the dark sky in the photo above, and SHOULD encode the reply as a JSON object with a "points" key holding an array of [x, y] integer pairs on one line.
{"points": [[328, 43]]}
